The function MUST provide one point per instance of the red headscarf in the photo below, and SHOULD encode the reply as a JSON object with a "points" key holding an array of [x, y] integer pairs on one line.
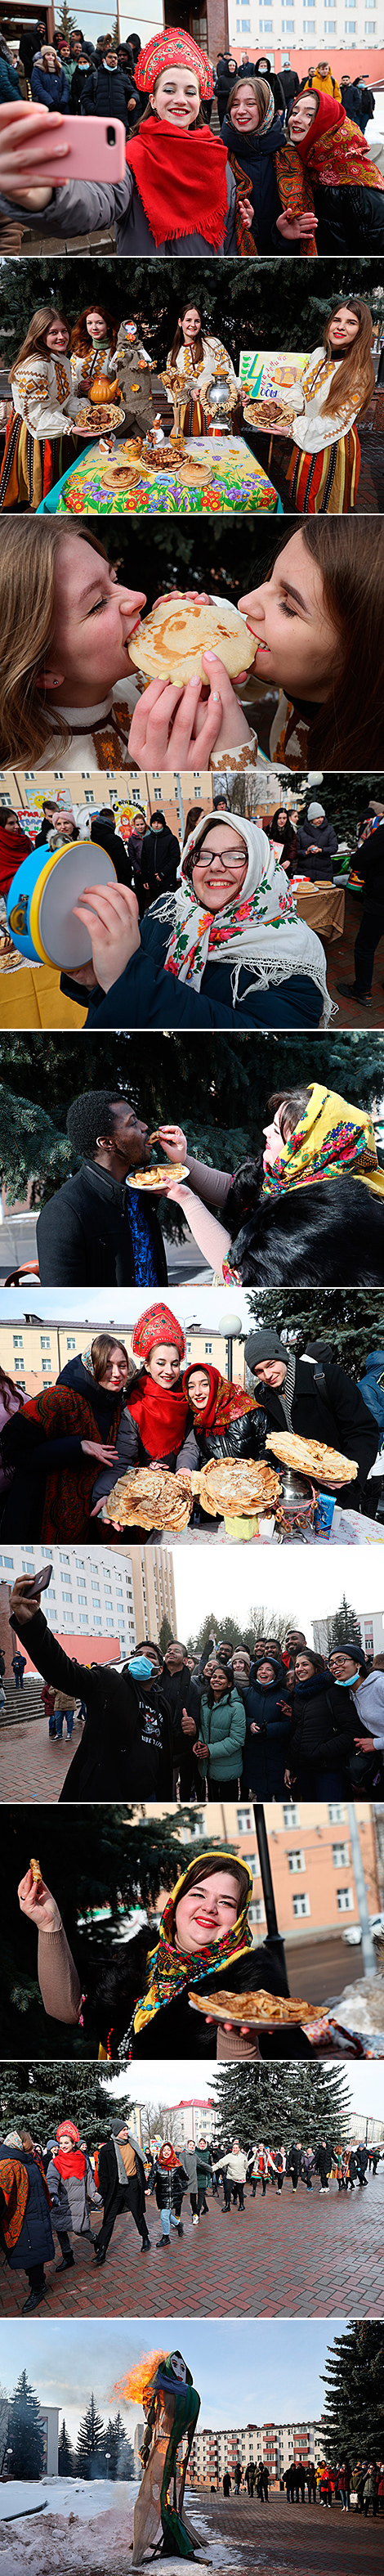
{"points": [[75, 2161], [14, 847], [225, 1400], [334, 150], [181, 179]]}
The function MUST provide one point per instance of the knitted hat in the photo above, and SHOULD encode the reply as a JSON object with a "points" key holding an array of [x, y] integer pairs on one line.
{"points": [[315, 813], [173, 47], [349, 1648], [157, 1325], [264, 1346]]}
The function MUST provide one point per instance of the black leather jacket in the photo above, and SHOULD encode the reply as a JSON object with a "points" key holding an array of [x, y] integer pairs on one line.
{"points": [[243, 1438]]}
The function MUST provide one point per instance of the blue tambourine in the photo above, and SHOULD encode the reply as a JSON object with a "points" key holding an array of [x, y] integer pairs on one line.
{"points": [[40, 915]]}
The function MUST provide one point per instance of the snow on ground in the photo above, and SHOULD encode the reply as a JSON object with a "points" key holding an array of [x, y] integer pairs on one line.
{"points": [[84, 2530]]}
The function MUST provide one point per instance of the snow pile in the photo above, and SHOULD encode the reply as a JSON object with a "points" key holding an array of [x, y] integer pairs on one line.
{"points": [[362, 2005], [84, 2529]]}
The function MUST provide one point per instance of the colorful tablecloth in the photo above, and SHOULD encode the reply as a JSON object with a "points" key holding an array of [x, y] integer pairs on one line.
{"points": [[237, 483]]}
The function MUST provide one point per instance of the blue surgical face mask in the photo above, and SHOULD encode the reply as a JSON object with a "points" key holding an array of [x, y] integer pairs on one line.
{"points": [[141, 1669], [353, 1677]]}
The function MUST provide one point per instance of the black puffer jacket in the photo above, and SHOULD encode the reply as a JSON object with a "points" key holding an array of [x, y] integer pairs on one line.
{"points": [[243, 1438], [107, 94], [323, 1726]]}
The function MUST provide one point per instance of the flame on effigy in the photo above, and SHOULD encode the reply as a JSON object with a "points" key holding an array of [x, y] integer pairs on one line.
{"points": [[135, 2384]]}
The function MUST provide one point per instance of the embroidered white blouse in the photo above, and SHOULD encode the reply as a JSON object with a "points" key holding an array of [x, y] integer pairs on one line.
{"points": [[316, 428], [196, 380], [42, 394]]}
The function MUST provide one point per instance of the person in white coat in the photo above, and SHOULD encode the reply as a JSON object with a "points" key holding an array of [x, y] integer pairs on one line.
{"points": [[40, 440]]}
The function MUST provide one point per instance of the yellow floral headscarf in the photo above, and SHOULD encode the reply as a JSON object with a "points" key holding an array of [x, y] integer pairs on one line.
{"points": [[168, 1971], [333, 1136]]}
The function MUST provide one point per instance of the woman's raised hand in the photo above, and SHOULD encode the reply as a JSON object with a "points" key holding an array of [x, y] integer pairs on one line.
{"points": [[246, 211], [296, 228], [174, 1142], [38, 1904], [24, 145], [100, 1449], [111, 915]]}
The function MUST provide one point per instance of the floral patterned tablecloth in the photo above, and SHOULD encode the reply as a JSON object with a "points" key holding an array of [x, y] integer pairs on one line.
{"points": [[237, 483]]}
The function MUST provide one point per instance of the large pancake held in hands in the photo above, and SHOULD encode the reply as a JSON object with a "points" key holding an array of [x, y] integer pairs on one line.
{"points": [[171, 641]]}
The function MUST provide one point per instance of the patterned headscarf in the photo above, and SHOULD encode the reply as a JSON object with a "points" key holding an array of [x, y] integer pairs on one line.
{"points": [[224, 1403], [335, 152], [260, 930], [168, 1971], [332, 1137]]}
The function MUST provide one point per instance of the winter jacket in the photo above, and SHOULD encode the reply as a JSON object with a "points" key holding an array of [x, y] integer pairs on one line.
{"points": [[179, 1691], [370, 864], [323, 1728], [320, 836], [51, 88], [9, 83], [35, 2243], [256, 154], [190, 2168], [328, 1406], [371, 1386], [146, 997], [107, 94], [265, 1755], [275, 79], [70, 2198], [86, 1234], [242, 1438], [236, 2167], [204, 2167], [85, 206], [170, 2185], [222, 1727], [77, 85], [110, 2187], [125, 1751]]}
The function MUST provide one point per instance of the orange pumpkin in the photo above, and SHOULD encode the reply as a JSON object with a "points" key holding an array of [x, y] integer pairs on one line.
{"points": [[103, 391]]}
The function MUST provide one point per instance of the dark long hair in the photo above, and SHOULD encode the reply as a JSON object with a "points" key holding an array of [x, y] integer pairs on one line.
{"points": [[333, 1230], [8, 1388], [346, 732], [287, 838], [177, 343]]}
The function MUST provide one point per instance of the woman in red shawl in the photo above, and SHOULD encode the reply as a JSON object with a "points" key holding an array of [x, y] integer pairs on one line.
{"points": [[158, 1405], [348, 190], [14, 846], [183, 192], [226, 1422]]}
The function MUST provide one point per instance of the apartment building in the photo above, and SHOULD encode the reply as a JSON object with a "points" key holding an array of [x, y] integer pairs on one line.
{"points": [[301, 32], [371, 1625], [96, 1593], [277, 2446], [33, 1353], [311, 1860], [195, 2120]]}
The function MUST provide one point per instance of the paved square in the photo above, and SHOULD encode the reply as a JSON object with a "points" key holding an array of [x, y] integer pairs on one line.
{"points": [[293, 2254], [279, 2539]]}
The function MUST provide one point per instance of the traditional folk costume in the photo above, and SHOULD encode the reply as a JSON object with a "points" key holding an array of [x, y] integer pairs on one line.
{"points": [[324, 466], [53, 1478], [333, 1136], [197, 375], [39, 445], [180, 177], [160, 1413], [99, 361], [260, 931]]}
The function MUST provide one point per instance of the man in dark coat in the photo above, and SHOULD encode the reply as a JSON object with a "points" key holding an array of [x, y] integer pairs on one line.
{"points": [[121, 2179], [324, 2163], [268, 1729], [316, 1399], [263, 71], [96, 1232], [227, 72], [370, 863], [126, 1747], [183, 1700], [109, 92], [103, 831]]}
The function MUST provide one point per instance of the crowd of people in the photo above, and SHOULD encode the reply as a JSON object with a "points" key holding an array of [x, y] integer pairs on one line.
{"points": [[55, 368], [294, 173], [51, 2190], [64, 1450], [284, 1723]]}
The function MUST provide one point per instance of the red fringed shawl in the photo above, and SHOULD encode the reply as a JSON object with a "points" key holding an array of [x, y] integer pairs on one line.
{"points": [[181, 179], [161, 1413]]}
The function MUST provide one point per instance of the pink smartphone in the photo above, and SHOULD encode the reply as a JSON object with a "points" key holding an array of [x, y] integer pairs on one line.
{"points": [[96, 151]]}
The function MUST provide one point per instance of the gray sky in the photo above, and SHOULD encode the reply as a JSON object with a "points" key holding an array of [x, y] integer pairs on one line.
{"points": [[164, 2082], [258, 2369]]}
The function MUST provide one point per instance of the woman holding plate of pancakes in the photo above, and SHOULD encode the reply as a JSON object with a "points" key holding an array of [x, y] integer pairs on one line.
{"points": [[312, 1206], [143, 2005], [74, 640]]}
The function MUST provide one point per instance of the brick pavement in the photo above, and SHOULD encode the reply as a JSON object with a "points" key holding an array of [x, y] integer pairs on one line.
{"points": [[33, 1764], [283, 2539], [284, 2255]]}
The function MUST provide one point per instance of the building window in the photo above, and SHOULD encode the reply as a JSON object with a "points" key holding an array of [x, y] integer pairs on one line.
{"points": [[256, 1911], [46, 1368], [71, 1344], [45, 1341], [17, 1339], [341, 1855], [301, 1905], [19, 1365], [296, 1862], [245, 1820], [291, 1816], [345, 1900], [336, 1812]]}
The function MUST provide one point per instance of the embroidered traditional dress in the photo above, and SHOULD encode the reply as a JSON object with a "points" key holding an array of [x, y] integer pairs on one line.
{"points": [[324, 466], [38, 444], [197, 375], [99, 737], [99, 360]]}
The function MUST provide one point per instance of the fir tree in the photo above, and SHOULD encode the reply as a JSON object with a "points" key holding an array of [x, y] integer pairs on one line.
{"points": [[30, 1149], [237, 305], [260, 1623], [354, 2383], [165, 1634], [120, 2463], [108, 1859], [26, 2435], [67, 2465], [90, 2441], [40, 2096], [346, 1626], [281, 2102]]}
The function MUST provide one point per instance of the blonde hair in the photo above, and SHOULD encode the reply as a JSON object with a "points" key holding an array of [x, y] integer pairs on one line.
{"points": [[354, 374], [261, 91], [36, 335], [28, 558]]}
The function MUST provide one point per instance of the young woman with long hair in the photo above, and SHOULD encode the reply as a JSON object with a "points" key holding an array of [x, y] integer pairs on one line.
{"points": [[324, 467], [346, 189], [318, 622], [40, 439], [253, 132], [93, 343], [198, 357]]}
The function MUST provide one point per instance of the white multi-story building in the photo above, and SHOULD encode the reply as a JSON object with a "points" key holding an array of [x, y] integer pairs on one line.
{"points": [[287, 27], [100, 1592], [276, 2445], [195, 2120], [371, 1625]]}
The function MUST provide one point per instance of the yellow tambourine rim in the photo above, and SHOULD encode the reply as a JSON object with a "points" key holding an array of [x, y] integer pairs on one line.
{"points": [[34, 908]]}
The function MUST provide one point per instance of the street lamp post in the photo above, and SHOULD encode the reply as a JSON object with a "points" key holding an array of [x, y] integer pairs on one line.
{"points": [[230, 1327], [107, 2456]]}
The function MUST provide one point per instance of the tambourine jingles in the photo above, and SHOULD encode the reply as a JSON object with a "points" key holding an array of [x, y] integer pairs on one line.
{"points": [[40, 915]]}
